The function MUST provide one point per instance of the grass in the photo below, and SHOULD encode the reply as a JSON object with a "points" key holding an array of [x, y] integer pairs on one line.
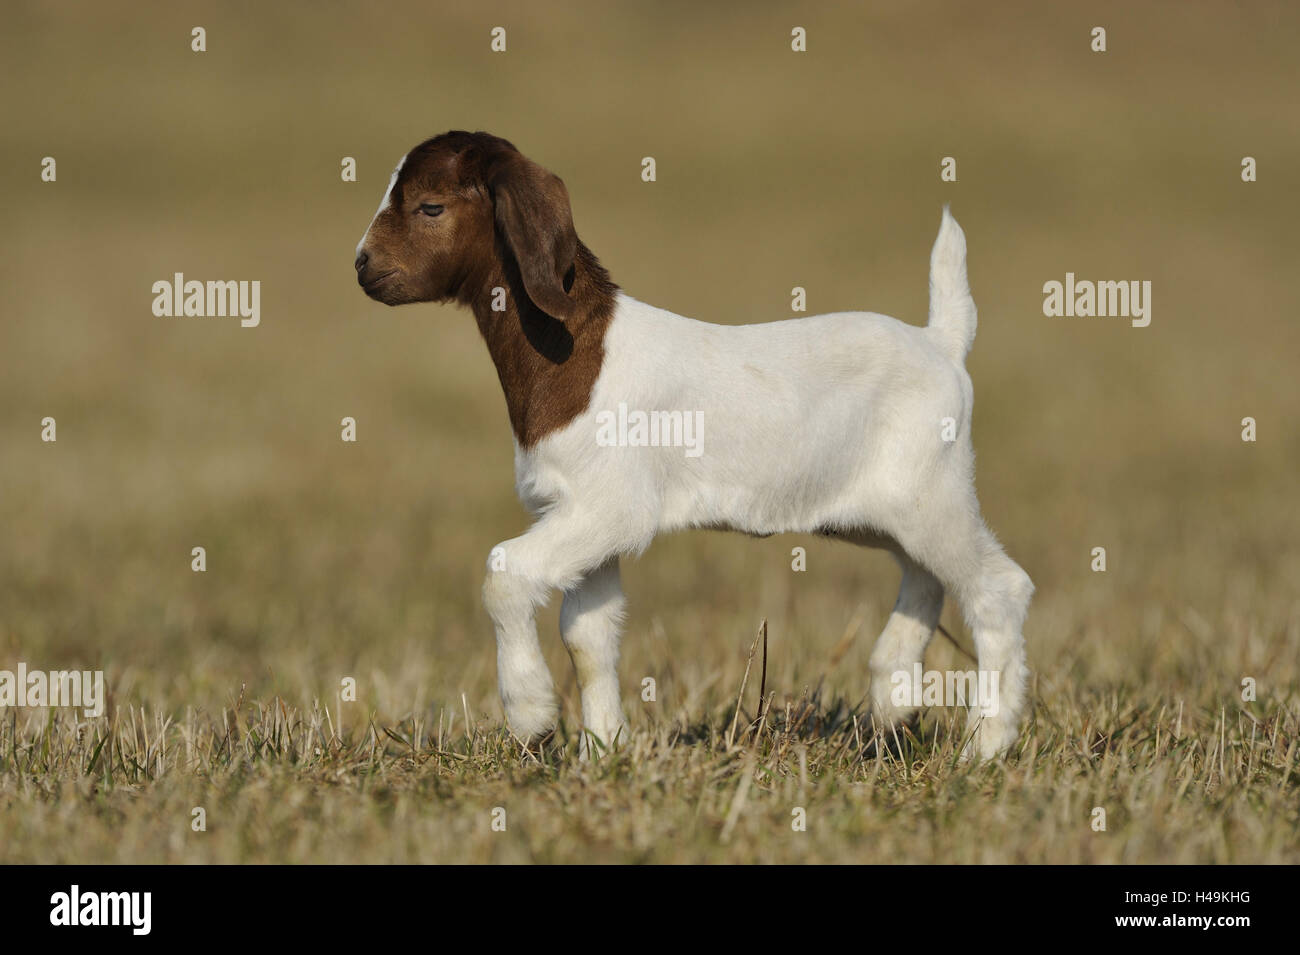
{"points": [[1178, 782], [329, 561]]}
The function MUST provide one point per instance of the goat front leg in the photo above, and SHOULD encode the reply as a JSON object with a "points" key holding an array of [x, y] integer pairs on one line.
{"points": [[556, 553], [590, 621]]}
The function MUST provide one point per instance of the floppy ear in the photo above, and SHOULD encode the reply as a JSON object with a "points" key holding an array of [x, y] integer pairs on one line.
{"points": [[532, 211]]}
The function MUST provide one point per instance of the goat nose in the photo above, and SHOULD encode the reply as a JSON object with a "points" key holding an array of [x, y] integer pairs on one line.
{"points": [[362, 259]]}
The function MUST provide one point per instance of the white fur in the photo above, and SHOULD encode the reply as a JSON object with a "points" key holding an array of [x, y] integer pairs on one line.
{"points": [[827, 424], [384, 203]]}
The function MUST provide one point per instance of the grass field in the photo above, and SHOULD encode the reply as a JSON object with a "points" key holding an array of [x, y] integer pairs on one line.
{"points": [[329, 560]]}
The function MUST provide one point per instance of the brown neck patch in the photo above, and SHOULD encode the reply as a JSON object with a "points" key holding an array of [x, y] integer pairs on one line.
{"points": [[547, 368]]}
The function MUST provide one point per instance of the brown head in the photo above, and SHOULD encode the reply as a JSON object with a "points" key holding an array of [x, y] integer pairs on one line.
{"points": [[457, 205], [466, 215]]}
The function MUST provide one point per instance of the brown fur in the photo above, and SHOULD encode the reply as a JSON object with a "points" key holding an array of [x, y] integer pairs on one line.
{"points": [[506, 222]]}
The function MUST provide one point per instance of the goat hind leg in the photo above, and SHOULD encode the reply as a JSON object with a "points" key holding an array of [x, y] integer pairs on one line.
{"points": [[996, 608], [901, 645]]}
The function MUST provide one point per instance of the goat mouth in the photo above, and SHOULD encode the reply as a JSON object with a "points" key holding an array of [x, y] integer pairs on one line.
{"points": [[378, 280]]}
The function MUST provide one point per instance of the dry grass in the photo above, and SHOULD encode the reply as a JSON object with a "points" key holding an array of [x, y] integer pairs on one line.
{"points": [[328, 561], [1178, 783]]}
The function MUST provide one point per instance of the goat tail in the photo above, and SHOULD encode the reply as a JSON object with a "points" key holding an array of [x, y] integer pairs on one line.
{"points": [[952, 310]]}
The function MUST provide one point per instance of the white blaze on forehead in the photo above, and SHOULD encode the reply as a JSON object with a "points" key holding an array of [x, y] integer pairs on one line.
{"points": [[384, 203], [388, 195]]}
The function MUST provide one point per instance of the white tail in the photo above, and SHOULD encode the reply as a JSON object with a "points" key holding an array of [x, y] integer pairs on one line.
{"points": [[952, 310]]}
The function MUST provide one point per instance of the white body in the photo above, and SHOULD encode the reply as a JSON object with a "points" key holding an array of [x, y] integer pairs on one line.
{"points": [[808, 424], [849, 424]]}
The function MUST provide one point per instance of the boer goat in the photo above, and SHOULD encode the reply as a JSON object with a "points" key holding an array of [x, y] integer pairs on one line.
{"points": [[851, 425]]}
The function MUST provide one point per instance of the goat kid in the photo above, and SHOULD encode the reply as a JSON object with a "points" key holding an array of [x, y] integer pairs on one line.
{"points": [[851, 425]]}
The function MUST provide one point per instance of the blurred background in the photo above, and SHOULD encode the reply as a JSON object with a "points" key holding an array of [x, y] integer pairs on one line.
{"points": [[775, 169]]}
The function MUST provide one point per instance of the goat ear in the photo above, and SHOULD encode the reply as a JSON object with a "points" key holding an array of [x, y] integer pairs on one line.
{"points": [[532, 211]]}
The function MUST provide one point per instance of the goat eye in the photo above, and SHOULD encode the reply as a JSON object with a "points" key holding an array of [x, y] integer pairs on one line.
{"points": [[430, 209]]}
